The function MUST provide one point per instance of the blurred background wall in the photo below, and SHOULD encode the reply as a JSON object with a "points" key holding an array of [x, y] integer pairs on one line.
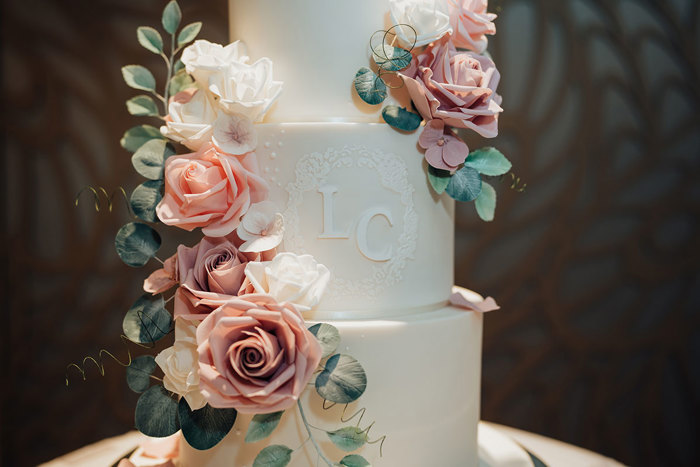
{"points": [[595, 263]]}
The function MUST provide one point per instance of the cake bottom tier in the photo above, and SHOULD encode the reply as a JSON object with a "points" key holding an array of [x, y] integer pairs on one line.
{"points": [[423, 382]]}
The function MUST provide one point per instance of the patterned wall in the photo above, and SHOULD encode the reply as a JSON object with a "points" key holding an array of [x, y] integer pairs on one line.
{"points": [[595, 264]]}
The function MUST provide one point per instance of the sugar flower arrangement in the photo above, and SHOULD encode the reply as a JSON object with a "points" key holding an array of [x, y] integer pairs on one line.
{"points": [[437, 49]]}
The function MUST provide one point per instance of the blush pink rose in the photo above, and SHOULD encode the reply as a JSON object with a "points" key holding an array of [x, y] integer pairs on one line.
{"points": [[456, 87], [210, 189], [470, 24], [255, 355]]}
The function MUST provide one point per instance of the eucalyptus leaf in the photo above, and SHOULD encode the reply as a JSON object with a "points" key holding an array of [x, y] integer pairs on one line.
{"points": [[145, 198], [147, 321], [369, 86], [178, 67], [328, 336], [150, 39], [486, 202], [205, 428], [465, 184], [150, 158], [343, 380], [136, 244], [262, 425], [348, 438], [273, 456], [156, 413], [188, 33], [138, 374], [137, 136], [391, 58], [142, 106], [138, 77], [171, 17], [400, 118], [180, 82], [488, 161], [439, 179], [354, 460]]}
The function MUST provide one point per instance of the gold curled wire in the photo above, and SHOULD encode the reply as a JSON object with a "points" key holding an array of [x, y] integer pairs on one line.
{"points": [[96, 192], [361, 412]]}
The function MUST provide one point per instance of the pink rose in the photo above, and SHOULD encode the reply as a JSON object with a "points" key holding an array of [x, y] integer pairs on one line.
{"points": [[255, 355], [210, 189], [454, 86], [470, 23]]}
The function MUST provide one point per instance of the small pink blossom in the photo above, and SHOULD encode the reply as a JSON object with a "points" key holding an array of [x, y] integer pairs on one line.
{"points": [[443, 150], [470, 24]]}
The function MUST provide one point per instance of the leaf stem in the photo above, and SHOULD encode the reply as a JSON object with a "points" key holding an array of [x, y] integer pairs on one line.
{"points": [[311, 436], [169, 62]]}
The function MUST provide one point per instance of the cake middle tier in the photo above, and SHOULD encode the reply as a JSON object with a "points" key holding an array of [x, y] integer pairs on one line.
{"points": [[356, 197]]}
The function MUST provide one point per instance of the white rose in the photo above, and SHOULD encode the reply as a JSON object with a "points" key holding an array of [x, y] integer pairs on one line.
{"points": [[429, 18], [299, 280], [262, 228], [191, 119], [203, 58], [180, 363]]}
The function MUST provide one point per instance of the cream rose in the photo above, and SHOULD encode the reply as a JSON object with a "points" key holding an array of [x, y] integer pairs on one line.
{"points": [[190, 119], [203, 59], [429, 19]]}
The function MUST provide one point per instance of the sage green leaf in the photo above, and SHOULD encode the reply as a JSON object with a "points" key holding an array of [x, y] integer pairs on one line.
{"points": [[180, 82], [391, 58], [262, 425], [138, 374], [136, 244], [400, 118], [178, 67], [138, 77], [205, 428], [369, 86], [147, 321], [348, 438], [150, 39], [465, 184], [150, 158], [137, 136], [439, 179], [156, 413], [328, 336], [145, 198], [273, 456], [486, 202], [171, 17], [188, 33], [343, 380], [488, 161], [142, 106], [354, 460]]}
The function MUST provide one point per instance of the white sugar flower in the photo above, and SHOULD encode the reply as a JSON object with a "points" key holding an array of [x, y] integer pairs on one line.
{"points": [[429, 18], [203, 59], [190, 119], [262, 228], [234, 134]]}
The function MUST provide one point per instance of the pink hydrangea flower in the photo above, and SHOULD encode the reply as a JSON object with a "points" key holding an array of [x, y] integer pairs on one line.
{"points": [[443, 150]]}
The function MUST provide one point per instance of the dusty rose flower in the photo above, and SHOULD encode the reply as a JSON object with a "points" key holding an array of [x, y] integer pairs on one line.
{"points": [[454, 86], [470, 24], [255, 355], [162, 279], [443, 150], [210, 189]]}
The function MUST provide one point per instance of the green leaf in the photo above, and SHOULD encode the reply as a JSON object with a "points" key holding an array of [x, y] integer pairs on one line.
{"points": [[138, 374], [137, 136], [142, 106], [369, 86], [145, 198], [488, 161], [136, 244], [171, 17], [188, 33], [150, 158], [273, 456], [156, 413], [262, 425], [391, 58], [465, 184], [328, 336], [439, 179], [150, 39], [205, 428], [343, 380], [400, 118], [138, 77], [486, 202], [354, 460], [178, 67], [348, 438], [180, 82], [147, 321]]}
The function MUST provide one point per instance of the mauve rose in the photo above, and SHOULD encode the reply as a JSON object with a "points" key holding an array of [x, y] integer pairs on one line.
{"points": [[457, 87], [255, 355], [470, 24], [210, 189]]}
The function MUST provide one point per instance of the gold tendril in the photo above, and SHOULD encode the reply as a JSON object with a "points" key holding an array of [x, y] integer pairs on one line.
{"points": [[99, 193], [385, 54], [361, 413]]}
